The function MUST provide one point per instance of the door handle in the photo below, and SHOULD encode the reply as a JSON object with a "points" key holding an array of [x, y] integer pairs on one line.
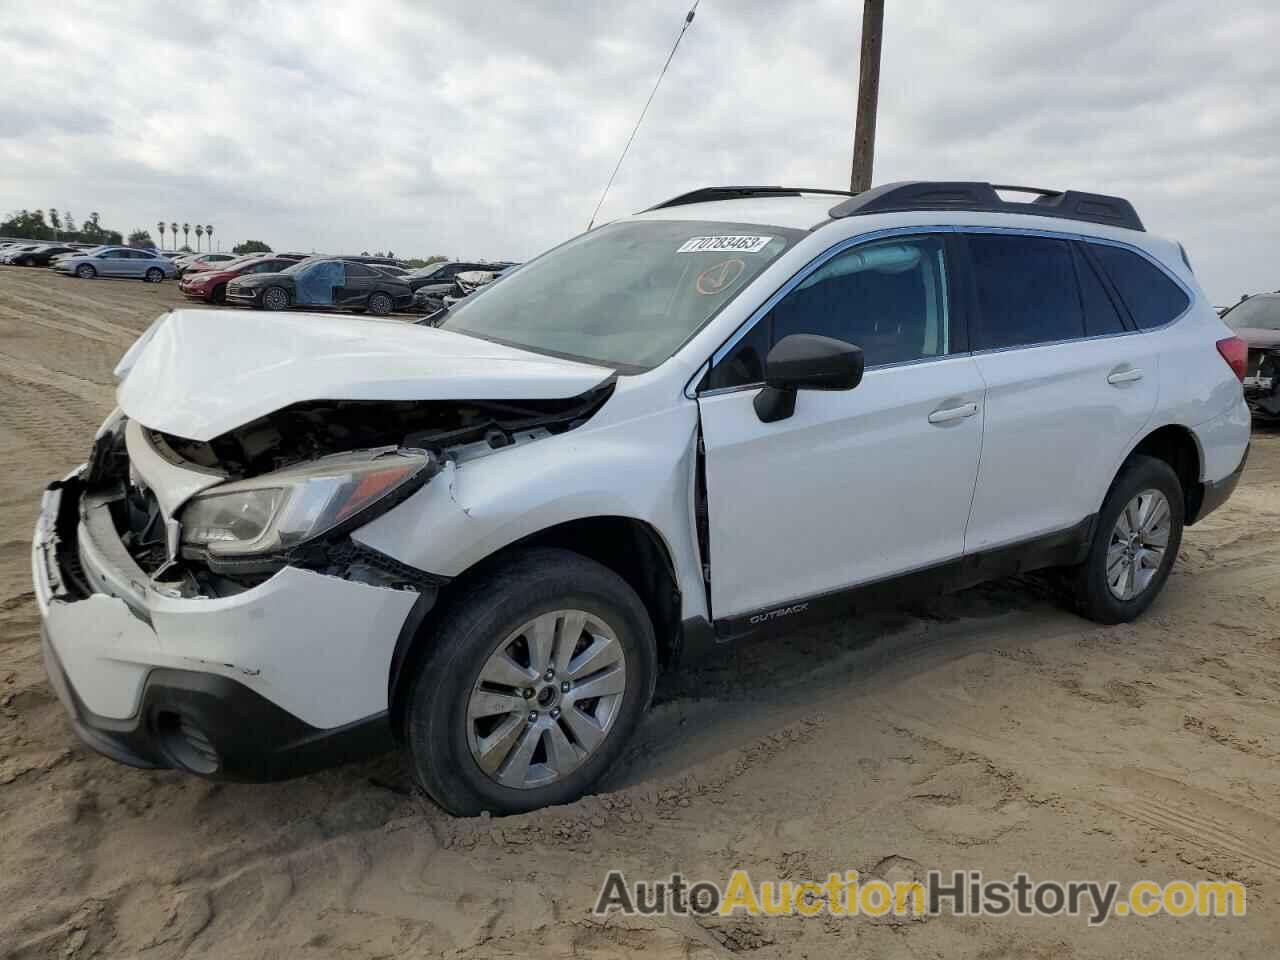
{"points": [[948, 414], [1130, 375]]}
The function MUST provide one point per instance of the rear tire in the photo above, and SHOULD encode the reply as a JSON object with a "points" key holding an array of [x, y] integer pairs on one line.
{"points": [[275, 298], [486, 628], [380, 304], [1135, 543], [28, 262], [86, 272]]}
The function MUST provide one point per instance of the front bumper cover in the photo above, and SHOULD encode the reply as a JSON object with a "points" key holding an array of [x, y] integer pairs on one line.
{"points": [[214, 727], [277, 681]]}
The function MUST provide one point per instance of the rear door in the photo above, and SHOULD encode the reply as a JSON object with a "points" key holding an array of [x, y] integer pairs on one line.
{"points": [[112, 263], [359, 283], [134, 263], [1069, 385]]}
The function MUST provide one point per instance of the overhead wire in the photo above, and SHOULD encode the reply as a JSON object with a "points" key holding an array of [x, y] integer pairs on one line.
{"points": [[688, 20]]}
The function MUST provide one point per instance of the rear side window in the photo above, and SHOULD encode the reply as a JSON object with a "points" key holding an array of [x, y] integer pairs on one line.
{"points": [[1152, 298], [1026, 289], [1100, 313], [360, 270]]}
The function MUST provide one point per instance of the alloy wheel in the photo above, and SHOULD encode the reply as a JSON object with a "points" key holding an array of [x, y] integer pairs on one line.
{"points": [[546, 699], [1138, 544]]}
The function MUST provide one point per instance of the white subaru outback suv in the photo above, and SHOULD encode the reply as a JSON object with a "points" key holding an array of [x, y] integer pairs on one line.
{"points": [[482, 536]]}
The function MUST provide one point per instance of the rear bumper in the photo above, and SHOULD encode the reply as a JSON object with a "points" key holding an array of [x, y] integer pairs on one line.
{"points": [[276, 681], [1217, 492]]}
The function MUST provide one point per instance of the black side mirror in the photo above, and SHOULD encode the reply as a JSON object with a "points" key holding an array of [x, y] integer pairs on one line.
{"points": [[805, 361]]}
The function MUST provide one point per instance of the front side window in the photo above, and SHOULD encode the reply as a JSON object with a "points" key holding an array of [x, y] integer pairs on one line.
{"points": [[627, 295], [888, 297], [1152, 298], [1026, 291]]}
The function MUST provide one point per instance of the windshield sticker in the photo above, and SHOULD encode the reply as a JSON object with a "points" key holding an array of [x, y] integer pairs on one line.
{"points": [[717, 279], [724, 244]]}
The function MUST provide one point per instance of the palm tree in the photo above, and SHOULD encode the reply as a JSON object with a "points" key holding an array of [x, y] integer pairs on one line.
{"points": [[199, 234], [186, 234], [160, 227], [173, 229], [208, 232]]}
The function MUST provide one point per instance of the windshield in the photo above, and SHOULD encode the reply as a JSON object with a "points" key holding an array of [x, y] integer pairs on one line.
{"points": [[626, 295], [302, 265], [1260, 313]]}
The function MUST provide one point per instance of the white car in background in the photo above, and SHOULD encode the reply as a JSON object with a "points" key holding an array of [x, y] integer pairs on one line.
{"points": [[744, 408]]}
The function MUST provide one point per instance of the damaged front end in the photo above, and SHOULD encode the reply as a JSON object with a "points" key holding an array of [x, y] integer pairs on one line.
{"points": [[213, 518]]}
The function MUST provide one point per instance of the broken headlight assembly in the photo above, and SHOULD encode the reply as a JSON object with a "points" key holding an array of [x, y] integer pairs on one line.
{"points": [[257, 522]]}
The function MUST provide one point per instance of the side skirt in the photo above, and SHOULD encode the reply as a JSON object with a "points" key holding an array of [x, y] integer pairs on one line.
{"points": [[1060, 549]]}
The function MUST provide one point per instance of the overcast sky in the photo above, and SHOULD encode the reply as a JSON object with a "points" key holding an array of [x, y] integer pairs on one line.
{"points": [[488, 129]]}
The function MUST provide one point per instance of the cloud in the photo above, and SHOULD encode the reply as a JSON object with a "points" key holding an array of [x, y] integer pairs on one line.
{"points": [[488, 129]]}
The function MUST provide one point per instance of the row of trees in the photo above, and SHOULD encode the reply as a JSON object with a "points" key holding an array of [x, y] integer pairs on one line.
{"points": [[55, 225], [201, 230]]}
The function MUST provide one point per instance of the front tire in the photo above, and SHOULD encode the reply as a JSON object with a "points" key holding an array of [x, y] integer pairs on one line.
{"points": [[1135, 543], [380, 304], [154, 275], [86, 272], [537, 675], [275, 298]]}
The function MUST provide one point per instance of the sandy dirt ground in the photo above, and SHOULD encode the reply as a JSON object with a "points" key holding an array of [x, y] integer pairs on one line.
{"points": [[991, 731]]}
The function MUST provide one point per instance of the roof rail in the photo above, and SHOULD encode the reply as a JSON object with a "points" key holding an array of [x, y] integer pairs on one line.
{"points": [[710, 194], [977, 196]]}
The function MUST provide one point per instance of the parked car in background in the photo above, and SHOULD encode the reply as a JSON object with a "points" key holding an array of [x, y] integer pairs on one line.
{"points": [[10, 254], [464, 285], [211, 285], [117, 262], [328, 282], [203, 261], [41, 256], [440, 276], [1256, 321]]}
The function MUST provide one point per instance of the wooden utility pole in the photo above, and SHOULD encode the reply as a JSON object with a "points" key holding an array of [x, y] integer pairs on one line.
{"points": [[864, 134]]}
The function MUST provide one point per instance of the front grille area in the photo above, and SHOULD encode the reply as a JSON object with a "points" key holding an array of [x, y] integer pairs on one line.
{"points": [[141, 527]]}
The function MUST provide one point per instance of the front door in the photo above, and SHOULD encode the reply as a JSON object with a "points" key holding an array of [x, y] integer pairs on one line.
{"points": [[856, 486], [316, 285]]}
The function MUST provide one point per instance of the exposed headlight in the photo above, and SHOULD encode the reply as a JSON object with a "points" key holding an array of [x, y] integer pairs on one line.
{"points": [[278, 511]]}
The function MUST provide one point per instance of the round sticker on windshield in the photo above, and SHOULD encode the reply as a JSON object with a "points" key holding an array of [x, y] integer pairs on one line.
{"points": [[719, 278]]}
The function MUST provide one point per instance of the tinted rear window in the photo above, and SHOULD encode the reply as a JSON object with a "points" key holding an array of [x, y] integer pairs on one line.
{"points": [[1026, 290], [1152, 298]]}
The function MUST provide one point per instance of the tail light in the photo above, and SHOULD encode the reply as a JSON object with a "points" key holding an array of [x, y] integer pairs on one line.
{"points": [[1236, 352]]}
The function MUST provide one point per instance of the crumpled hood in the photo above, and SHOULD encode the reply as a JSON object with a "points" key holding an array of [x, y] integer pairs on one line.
{"points": [[199, 373]]}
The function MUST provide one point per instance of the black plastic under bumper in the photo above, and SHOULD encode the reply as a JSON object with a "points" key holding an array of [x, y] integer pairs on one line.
{"points": [[214, 727], [1216, 492]]}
